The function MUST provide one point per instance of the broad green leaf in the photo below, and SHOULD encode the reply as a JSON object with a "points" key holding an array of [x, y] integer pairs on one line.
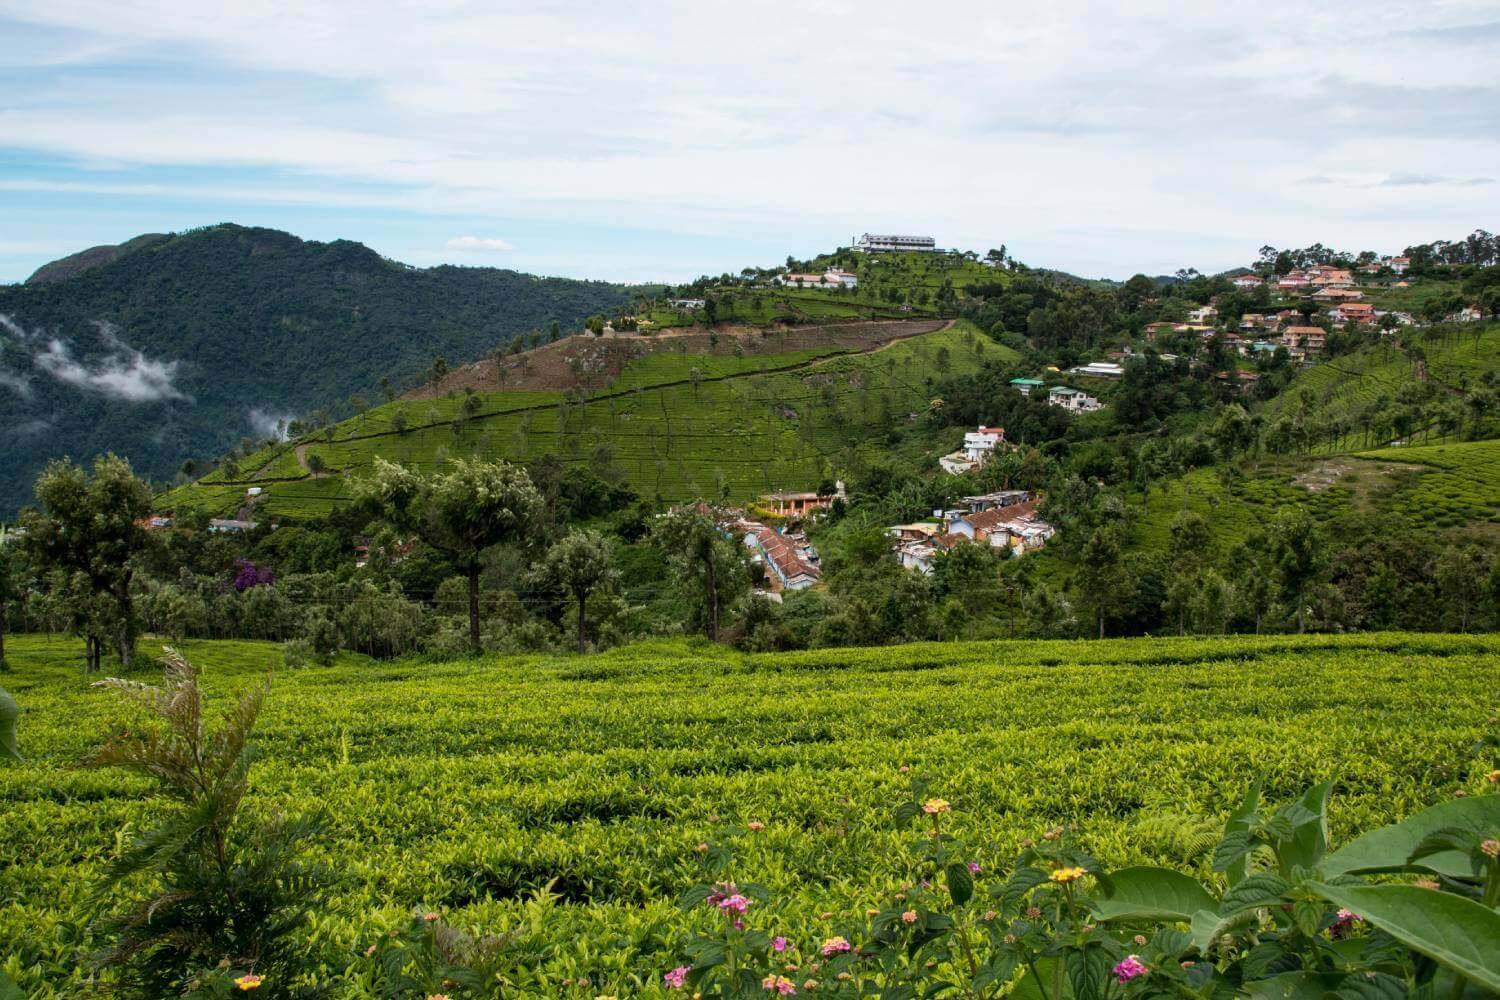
{"points": [[1309, 840], [1235, 862], [960, 883], [1088, 971], [1453, 931], [1290, 986], [9, 713], [1388, 848], [8, 988], [1050, 970], [1205, 927], [1152, 894], [1260, 889]]}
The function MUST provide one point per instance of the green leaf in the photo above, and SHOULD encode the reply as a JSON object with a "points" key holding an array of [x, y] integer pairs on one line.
{"points": [[1389, 848], [1290, 986], [960, 883], [1152, 894], [1022, 881], [1088, 971], [1309, 840], [1457, 933], [1239, 823], [1230, 855], [1028, 988], [9, 713], [1260, 889], [8, 988]]}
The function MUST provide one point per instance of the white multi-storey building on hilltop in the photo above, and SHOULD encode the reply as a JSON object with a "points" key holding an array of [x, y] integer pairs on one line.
{"points": [[871, 243]]}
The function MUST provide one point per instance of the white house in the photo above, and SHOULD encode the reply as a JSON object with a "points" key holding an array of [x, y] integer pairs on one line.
{"points": [[977, 448], [1400, 264], [1072, 400], [687, 303], [1248, 281], [847, 279], [1203, 314]]}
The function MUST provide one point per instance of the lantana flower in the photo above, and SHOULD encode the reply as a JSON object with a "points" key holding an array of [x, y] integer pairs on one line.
{"points": [[834, 946], [1130, 967], [1063, 876], [934, 806], [249, 981], [779, 984], [677, 977]]}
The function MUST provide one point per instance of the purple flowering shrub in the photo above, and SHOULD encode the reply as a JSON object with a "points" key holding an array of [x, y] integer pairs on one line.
{"points": [[247, 575], [1294, 919]]}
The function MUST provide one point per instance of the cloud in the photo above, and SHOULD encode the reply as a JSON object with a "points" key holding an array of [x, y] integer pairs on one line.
{"points": [[16, 384], [1428, 180], [1161, 117], [269, 425], [124, 373], [477, 244]]}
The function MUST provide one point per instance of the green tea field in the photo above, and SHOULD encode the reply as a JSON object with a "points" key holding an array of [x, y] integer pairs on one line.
{"points": [[680, 426], [561, 801]]}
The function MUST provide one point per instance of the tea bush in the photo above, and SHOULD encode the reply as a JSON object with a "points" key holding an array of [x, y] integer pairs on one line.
{"points": [[552, 807]]}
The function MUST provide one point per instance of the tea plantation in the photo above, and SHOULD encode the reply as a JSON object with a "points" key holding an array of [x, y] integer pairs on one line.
{"points": [[561, 800]]}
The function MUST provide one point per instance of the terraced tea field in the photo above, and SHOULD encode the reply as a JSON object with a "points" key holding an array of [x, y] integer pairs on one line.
{"points": [[467, 788], [678, 426]]}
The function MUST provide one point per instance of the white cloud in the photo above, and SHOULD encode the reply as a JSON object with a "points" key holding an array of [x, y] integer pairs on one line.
{"points": [[123, 373], [267, 424], [478, 244], [1118, 124]]}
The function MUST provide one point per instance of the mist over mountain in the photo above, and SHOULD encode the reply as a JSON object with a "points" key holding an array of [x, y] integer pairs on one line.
{"points": [[172, 347]]}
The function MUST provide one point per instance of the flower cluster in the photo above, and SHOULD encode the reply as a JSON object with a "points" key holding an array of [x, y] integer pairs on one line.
{"points": [[835, 946], [677, 977], [1130, 967], [249, 981], [1064, 875], [779, 984]]}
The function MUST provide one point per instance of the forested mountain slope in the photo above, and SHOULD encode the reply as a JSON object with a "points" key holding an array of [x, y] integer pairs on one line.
{"points": [[177, 347]]}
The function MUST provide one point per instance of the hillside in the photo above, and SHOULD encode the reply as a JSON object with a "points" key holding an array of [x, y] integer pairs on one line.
{"points": [[174, 347], [465, 788], [729, 414]]}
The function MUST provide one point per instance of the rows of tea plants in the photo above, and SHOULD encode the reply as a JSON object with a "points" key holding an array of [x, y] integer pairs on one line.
{"points": [[1457, 483], [564, 805]]}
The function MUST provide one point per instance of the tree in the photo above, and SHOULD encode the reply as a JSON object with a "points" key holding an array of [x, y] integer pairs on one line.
{"points": [[1102, 578], [88, 528], [580, 564], [8, 589], [970, 575], [460, 512], [1298, 560], [707, 560]]}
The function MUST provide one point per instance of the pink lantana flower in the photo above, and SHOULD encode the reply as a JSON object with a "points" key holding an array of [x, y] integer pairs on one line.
{"points": [[734, 904], [835, 946], [1129, 968], [778, 943], [677, 977]]}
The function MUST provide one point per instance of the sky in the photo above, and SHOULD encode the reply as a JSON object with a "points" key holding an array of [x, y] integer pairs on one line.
{"points": [[660, 141]]}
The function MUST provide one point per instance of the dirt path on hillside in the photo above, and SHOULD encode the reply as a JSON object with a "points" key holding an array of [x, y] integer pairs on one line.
{"points": [[301, 452]]}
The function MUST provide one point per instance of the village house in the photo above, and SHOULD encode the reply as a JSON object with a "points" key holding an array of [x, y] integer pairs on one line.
{"points": [[1025, 385], [1293, 280], [1203, 314], [1468, 314], [790, 562], [1000, 498], [225, 525], [1302, 342], [1333, 294], [1248, 281], [1324, 276], [1251, 321], [689, 304], [977, 447], [1014, 527], [1154, 330], [1353, 312], [1400, 264], [797, 504], [1099, 369], [1072, 400]]}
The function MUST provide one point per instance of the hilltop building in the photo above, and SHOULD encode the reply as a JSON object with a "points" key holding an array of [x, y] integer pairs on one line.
{"points": [[875, 243], [1025, 385]]}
